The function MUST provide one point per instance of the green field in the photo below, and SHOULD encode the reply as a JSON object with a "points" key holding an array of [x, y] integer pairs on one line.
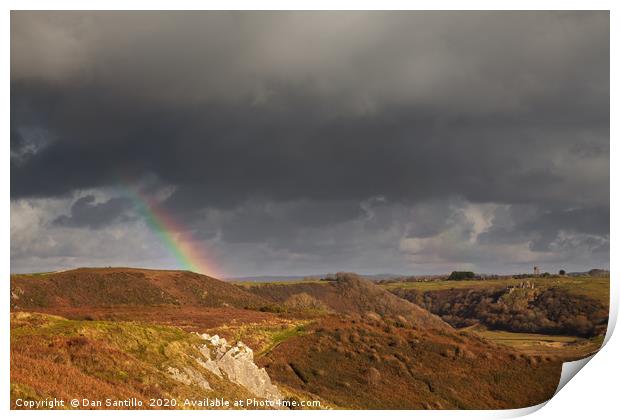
{"points": [[594, 287], [557, 346], [279, 337], [42, 273]]}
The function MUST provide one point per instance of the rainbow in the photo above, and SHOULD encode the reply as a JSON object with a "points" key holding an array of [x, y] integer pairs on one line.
{"points": [[172, 234]]}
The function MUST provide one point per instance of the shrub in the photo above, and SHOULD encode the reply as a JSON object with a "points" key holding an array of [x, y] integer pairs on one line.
{"points": [[462, 275]]}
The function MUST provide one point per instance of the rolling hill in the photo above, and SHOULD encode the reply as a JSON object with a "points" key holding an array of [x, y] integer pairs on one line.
{"points": [[367, 363], [350, 294], [126, 286], [347, 342]]}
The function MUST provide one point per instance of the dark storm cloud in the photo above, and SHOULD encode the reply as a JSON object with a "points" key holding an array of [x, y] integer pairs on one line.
{"points": [[85, 212], [545, 226], [307, 115], [267, 222], [212, 116], [430, 219]]}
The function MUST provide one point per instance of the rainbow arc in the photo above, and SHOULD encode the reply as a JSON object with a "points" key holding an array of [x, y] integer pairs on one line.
{"points": [[172, 234]]}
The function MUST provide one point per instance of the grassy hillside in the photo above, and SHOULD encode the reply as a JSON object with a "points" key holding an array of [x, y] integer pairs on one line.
{"points": [[351, 294], [126, 286], [360, 362], [55, 357], [126, 333]]}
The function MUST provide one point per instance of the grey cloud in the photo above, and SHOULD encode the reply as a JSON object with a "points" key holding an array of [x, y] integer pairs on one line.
{"points": [[273, 128], [423, 97], [276, 223], [593, 221], [86, 212], [544, 227], [430, 218]]}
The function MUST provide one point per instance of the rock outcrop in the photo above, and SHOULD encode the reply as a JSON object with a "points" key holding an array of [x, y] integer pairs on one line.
{"points": [[189, 376], [236, 362]]}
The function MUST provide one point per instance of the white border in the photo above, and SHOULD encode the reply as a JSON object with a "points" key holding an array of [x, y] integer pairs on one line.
{"points": [[593, 395]]}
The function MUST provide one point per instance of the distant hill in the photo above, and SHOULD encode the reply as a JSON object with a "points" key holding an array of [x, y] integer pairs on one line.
{"points": [[276, 279], [126, 286], [351, 294], [595, 272], [265, 279]]}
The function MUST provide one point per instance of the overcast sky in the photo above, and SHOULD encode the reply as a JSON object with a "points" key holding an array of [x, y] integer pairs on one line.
{"points": [[298, 143]]}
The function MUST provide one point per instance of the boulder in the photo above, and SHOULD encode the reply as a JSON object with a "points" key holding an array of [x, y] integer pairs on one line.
{"points": [[237, 364]]}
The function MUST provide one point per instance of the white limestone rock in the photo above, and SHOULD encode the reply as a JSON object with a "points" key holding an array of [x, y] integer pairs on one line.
{"points": [[237, 364]]}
